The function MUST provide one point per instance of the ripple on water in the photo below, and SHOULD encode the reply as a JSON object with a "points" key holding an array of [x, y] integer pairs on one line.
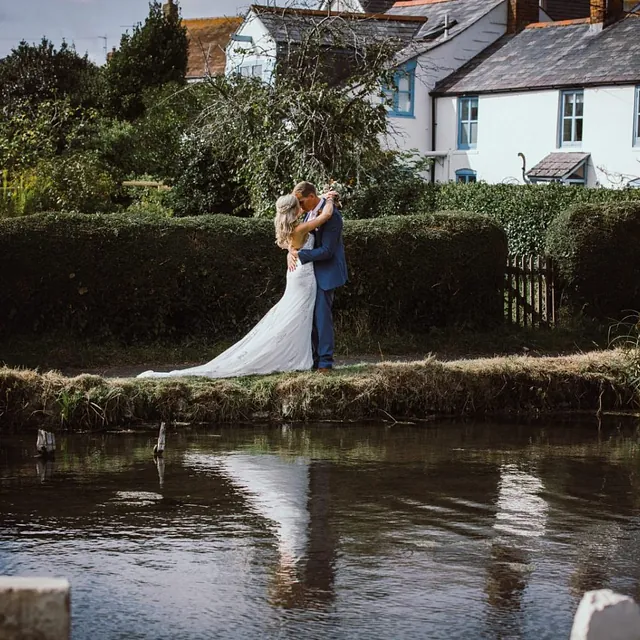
{"points": [[349, 532]]}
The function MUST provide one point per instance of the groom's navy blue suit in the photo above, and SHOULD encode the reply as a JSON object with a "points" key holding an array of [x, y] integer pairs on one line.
{"points": [[330, 267]]}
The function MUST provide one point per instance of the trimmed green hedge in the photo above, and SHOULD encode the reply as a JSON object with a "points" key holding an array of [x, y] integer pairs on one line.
{"points": [[597, 251], [140, 278], [523, 211]]}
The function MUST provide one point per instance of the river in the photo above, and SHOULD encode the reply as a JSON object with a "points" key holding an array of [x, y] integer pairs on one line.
{"points": [[328, 531]]}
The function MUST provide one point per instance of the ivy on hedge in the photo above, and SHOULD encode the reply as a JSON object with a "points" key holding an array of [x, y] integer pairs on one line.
{"points": [[141, 278], [597, 252], [523, 211]]}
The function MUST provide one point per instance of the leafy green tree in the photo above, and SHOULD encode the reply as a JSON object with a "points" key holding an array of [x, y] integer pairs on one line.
{"points": [[30, 133], [156, 53], [31, 74], [151, 145], [315, 120]]}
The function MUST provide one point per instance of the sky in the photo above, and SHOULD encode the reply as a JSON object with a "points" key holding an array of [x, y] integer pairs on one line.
{"points": [[87, 22]]}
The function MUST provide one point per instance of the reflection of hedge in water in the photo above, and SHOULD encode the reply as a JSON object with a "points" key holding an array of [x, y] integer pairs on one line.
{"points": [[597, 250], [144, 278]]}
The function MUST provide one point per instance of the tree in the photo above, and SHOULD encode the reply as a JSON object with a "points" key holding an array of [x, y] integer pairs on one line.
{"points": [[156, 53], [322, 118], [32, 74]]}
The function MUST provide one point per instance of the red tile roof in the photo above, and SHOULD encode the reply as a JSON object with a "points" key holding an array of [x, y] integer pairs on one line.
{"points": [[208, 39]]}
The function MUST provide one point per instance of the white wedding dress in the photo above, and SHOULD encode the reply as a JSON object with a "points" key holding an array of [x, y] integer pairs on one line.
{"points": [[281, 341]]}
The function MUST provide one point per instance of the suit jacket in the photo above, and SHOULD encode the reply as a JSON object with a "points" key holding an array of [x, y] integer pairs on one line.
{"points": [[328, 257]]}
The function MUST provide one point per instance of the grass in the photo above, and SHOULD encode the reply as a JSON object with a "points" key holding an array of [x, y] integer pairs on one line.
{"points": [[512, 385], [73, 355]]}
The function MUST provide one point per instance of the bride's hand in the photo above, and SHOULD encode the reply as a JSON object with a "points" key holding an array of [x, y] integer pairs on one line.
{"points": [[292, 259]]}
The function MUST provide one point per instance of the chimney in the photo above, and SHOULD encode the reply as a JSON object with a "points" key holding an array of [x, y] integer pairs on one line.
{"points": [[110, 54], [522, 13], [604, 12], [170, 9]]}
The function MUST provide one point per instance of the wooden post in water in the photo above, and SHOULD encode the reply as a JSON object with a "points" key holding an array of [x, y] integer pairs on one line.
{"points": [[46, 444], [158, 450], [160, 467]]}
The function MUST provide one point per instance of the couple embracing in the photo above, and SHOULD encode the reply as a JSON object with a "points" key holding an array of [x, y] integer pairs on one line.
{"points": [[297, 333]]}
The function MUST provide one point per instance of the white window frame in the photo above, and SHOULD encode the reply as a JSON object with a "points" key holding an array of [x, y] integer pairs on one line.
{"points": [[573, 118]]}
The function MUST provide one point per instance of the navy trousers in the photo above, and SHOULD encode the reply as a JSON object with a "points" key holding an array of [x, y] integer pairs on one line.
{"points": [[322, 336]]}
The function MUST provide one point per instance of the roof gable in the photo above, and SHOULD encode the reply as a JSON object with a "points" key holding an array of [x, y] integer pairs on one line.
{"points": [[553, 55]]}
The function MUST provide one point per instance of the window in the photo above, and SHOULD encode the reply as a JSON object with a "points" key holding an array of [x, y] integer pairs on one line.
{"points": [[399, 98], [636, 119], [251, 71], [468, 123], [571, 118], [466, 176]]}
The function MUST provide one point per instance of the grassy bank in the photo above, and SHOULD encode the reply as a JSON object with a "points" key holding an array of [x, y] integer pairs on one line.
{"points": [[516, 385], [107, 357]]}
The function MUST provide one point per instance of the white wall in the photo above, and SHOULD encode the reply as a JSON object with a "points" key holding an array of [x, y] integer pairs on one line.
{"points": [[527, 122], [261, 52], [436, 64]]}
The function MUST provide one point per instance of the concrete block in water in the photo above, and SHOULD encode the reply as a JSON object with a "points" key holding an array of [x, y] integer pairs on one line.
{"points": [[34, 609], [605, 615]]}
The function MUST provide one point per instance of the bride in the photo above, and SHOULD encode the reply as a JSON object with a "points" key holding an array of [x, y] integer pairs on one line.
{"points": [[281, 341]]}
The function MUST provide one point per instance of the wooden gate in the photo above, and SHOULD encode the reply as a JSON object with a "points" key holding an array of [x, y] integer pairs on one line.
{"points": [[530, 295]]}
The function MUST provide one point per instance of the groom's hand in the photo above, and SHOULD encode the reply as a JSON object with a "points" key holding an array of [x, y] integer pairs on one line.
{"points": [[292, 259]]}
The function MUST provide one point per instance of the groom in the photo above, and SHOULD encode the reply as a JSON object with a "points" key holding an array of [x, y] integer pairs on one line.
{"points": [[330, 268]]}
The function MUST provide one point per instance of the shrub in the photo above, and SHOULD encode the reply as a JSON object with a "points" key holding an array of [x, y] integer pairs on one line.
{"points": [[143, 277], [75, 182], [17, 196], [596, 250], [396, 187], [523, 211]]}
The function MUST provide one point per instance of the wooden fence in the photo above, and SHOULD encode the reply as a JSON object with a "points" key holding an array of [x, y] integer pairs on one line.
{"points": [[529, 291]]}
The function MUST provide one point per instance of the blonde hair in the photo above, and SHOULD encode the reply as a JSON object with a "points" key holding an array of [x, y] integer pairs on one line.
{"points": [[287, 208]]}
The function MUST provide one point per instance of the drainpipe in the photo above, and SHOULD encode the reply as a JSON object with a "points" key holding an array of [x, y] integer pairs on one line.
{"points": [[433, 137]]}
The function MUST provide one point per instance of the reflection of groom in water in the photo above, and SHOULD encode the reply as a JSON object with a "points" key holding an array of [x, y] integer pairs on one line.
{"points": [[330, 269]]}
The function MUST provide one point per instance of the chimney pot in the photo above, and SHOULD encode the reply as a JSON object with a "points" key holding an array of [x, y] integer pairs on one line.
{"points": [[170, 9]]}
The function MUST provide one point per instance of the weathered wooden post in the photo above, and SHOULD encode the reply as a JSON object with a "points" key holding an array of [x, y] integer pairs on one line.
{"points": [[605, 615], [160, 467], [158, 450], [46, 444], [34, 608]]}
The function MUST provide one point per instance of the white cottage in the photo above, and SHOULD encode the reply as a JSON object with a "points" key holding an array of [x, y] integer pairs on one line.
{"points": [[484, 86], [559, 101]]}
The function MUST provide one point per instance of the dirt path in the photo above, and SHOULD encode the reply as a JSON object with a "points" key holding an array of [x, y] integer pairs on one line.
{"points": [[131, 371]]}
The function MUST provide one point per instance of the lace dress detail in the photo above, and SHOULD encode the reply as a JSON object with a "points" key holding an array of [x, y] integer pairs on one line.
{"points": [[281, 341]]}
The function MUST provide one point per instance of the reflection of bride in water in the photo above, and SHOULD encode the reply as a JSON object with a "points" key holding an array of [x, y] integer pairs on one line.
{"points": [[521, 520], [291, 494]]}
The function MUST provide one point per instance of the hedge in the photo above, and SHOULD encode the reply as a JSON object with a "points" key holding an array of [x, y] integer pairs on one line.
{"points": [[523, 211], [141, 277], [597, 252]]}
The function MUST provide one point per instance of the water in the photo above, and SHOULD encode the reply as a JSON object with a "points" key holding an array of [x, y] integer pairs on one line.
{"points": [[446, 531]]}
